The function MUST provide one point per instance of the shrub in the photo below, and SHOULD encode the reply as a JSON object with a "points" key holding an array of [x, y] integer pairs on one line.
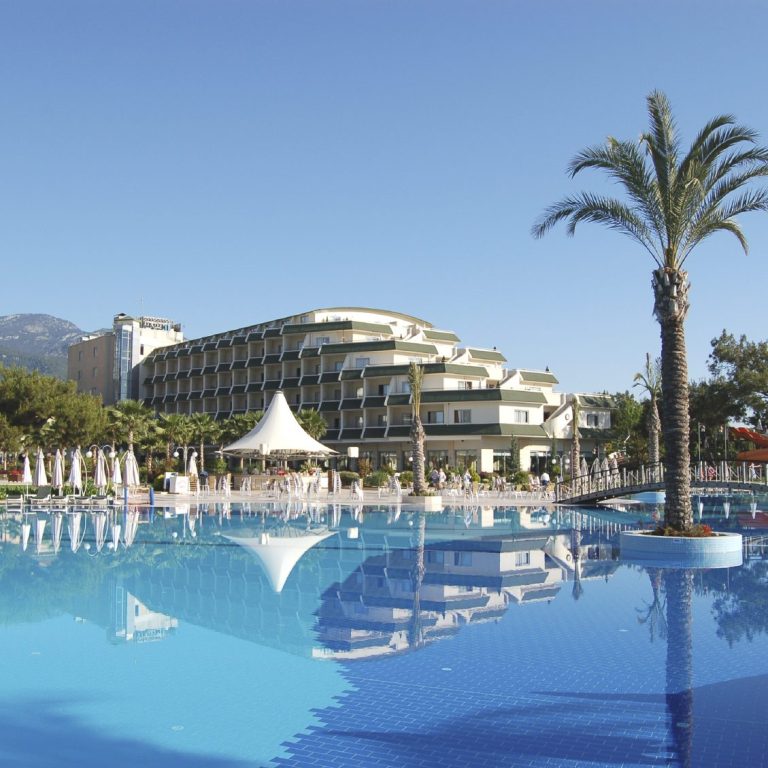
{"points": [[521, 477], [376, 479], [698, 531], [406, 477], [159, 483], [347, 478]]}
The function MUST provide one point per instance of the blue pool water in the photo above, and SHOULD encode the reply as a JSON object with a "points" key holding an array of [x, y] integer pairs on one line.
{"points": [[329, 635]]}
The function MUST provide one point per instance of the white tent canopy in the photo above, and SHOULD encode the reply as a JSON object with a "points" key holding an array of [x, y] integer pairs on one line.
{"points": [[278, 433]]}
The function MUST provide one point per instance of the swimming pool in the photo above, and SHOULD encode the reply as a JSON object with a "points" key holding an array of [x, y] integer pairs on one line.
{"points": [[337, 635]]}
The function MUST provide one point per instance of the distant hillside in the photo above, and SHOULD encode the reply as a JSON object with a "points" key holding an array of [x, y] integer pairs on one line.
{"points": [[37, 342]]}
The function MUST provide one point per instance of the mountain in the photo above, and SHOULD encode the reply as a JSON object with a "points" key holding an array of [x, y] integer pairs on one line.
{"points": [[37, 342]]}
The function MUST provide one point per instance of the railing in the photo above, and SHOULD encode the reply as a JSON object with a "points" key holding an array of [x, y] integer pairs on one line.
{"points": [[702, 474]]}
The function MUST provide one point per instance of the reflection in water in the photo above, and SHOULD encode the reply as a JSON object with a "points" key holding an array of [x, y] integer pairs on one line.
{"points": [[678, 585]]}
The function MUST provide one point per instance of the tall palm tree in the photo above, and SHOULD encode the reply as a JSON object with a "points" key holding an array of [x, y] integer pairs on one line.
{"points": [[672, 203], [576, 444], [649, 380], [205, 429], [130, 420], [416, 381], [177, 429]]}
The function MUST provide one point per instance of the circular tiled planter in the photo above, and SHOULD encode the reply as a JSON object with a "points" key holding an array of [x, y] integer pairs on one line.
{"points": [[721, 550]]}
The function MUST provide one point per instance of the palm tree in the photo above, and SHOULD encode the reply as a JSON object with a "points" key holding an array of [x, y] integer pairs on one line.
{"points": [[177, 429], [205, 429], [576, 446], [672, 204], [129, 420], [416, 380], [649, 380], [312, 423]]}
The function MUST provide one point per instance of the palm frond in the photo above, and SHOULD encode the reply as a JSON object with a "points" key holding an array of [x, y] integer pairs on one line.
{"points": [[624, 163], [710, 227], [602, 210], [662, 144]]}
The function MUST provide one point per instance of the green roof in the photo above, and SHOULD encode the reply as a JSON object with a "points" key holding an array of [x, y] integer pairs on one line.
{"points": [[433, 335], [539, 377], [487, 354], [596, 401], [375, 346]]}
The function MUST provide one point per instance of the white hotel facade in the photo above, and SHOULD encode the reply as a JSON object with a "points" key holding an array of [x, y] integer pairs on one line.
{"points": [[351, 364]]}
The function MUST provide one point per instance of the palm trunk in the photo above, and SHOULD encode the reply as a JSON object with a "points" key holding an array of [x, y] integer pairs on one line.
{"points": [[670, 307], [654, 429], [417, 451], [575, 448]]}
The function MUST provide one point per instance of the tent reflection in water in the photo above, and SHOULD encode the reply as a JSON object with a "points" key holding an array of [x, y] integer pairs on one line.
{"points": [[278, 434], [279, 549]]}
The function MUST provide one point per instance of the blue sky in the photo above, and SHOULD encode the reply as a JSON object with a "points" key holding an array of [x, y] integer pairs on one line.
{"points": [[227, 162]]}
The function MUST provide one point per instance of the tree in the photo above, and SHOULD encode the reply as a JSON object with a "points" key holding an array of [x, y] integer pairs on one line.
{"points": [[649, 381], [205, 429], [130, 421], [627, 417], [741, 367], [416, 380], [177, 430], [576, 440], [42, 410], [672, 203], [312, 423]]}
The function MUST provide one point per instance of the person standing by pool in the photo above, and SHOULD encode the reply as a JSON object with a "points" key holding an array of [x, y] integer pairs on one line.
{"points": [[544, 479]]}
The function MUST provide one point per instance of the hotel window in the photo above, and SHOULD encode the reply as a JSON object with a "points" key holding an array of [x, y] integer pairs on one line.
{"points": [[435, 417], [381, 419], [94, 372], [405, 388], [521, 417], [407, 418], [323, 340], [361, 362], [464, 416], [522, 558], [338, 365], [592, 420], [80, 355], [435, 556], [359, 392], [465, 385], [383, 389], [79, 375], [462, 558], [94, 351]]}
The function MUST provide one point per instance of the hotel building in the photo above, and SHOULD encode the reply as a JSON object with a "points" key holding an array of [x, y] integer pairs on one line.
{"points": [[110, 363], [351, 364]]}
